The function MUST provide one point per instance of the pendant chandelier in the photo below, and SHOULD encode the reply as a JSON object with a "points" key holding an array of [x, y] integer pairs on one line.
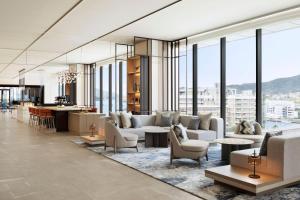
{"points": [[67, 77]]}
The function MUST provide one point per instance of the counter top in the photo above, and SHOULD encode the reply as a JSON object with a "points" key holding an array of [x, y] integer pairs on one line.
{"points": [[64, 108]]}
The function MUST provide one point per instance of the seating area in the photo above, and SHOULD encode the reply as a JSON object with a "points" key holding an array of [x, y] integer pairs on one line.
{"points": [[166, 99]]}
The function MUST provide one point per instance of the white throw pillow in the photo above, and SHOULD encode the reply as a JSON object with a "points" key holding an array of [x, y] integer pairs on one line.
{"points": [[126, 119]]}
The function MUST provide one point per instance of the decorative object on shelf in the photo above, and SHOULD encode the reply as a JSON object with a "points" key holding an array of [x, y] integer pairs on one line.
{"points": [[60, 100], [92, 128], [254, 160]]}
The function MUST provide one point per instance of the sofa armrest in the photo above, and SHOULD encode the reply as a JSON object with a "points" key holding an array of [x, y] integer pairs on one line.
{"points": [[217, 124]]}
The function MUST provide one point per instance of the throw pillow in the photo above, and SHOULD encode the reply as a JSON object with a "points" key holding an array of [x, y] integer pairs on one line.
{"points": [[136, 122], [194, 123], [204, 121], [126, 119], [180, 133], [264, 145], [166, 121], [257, 128], [116, 118], [245, 128], [158, 117], [176, 117]]}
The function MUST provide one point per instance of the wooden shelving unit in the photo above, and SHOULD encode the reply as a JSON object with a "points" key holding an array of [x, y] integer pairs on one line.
{"points": [[133, 84]]}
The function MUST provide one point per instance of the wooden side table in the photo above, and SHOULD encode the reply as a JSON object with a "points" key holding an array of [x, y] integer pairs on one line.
{"points": [[97, 139], [156, 138]]}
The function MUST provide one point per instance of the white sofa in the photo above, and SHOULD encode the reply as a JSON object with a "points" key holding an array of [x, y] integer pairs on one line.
{"points": [[148, 122], [282, 158], [257, 139]]}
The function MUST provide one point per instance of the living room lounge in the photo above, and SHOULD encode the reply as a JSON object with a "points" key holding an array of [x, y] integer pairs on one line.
{"points": [[149, 99]]}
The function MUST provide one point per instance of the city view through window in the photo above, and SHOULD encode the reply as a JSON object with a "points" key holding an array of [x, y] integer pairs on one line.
{"points": [[280, 76]]}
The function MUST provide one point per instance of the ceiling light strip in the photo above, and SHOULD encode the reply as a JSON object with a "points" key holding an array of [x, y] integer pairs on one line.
{"points": [[39, 37]]}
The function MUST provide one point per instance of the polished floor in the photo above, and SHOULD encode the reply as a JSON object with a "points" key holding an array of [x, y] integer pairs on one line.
{"points": [[43, 165]]}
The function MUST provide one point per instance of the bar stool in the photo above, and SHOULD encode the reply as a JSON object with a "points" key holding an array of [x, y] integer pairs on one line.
{"points": [[50, 119]]}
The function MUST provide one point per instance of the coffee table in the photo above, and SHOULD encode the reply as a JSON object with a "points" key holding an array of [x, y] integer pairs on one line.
{"points": [[232, 144], [156, 137]]}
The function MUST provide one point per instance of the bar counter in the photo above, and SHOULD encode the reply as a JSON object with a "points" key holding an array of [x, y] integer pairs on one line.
{"points": [[61, 114]]}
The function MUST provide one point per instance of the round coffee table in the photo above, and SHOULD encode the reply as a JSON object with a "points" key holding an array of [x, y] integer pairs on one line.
{"points": [[232, 144], [156, 137]]}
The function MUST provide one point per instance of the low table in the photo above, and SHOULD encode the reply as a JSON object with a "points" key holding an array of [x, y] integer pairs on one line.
{"points": [[97, 139], [232, 144], [238, 177], [156, 138]]}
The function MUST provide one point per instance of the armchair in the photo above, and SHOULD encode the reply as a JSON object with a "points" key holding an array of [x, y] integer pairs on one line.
{"points": [[193, 149], [117, 139]]}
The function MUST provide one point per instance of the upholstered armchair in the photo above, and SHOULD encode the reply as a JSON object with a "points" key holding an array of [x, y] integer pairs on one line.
{"points": [[193, 149], [116, 139]]}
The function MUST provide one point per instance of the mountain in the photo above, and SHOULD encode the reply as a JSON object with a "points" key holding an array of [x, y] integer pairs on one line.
{"points": [[276, 86]]}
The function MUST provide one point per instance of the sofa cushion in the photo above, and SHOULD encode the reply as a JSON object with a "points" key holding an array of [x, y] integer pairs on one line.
{"points": [[244, 127], [204, 121], [116, 118], [130, 136], [136, 122], [185, 119], [140, 132], [175, 117], [207, 135], [264, 145], [126, 119], [146, 120], [166, 120], [158, 117], [194, 145], [255, 138], [194, 123]]}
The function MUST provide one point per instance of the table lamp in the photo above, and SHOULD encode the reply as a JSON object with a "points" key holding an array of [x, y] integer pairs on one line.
{"points": [[92, 128], [254, 160]]}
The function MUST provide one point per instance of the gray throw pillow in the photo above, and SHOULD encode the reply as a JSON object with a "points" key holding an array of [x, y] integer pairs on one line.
{"points": [[136, 122], [116, 118], [204, 121], [194, 123], [166, 121], [257, 128], [180, 133], [264, 145]]}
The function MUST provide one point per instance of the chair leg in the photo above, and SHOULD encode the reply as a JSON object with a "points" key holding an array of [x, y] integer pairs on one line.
{"points": [[104, 146], [115, 145], [206, 157], [171, 154], [137, 150]]}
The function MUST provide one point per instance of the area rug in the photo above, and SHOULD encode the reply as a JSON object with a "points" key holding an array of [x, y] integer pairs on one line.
{"points": [[186, 174]]}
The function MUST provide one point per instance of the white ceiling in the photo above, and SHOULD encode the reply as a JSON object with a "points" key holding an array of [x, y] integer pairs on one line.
{"points": [[21, 22]]}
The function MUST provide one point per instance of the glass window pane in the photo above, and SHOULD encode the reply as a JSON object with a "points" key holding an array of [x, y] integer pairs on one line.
{"points": [[105, 89], [240, 81], [280, 77]]}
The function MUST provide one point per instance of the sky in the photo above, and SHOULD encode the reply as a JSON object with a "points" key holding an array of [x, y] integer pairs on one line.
{"points": [[280, 58]]}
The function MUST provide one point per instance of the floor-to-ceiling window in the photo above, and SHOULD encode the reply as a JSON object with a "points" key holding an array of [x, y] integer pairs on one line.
{"points": [[281, 78], [240, 78], [97, 88], [183, 80], [209, 77], [124, 85], [105, 89]]}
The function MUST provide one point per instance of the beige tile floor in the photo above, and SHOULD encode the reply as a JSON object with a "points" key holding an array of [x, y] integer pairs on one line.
{"points": [[43, 165]]}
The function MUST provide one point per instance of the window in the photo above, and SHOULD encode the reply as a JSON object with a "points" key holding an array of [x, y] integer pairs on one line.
{"points": [[280, 77], [209, 77], [105, 89], [240, 80], [97, 88]]}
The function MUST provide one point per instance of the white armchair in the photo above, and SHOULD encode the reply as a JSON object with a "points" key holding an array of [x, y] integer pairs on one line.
{"points": [[193, 149], [117, 139]]}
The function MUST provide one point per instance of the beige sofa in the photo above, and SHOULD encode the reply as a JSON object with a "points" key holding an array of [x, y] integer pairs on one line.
{"points": [[282, 158], [148, 122]]}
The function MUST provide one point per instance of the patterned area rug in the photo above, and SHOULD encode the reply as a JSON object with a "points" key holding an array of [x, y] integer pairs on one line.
{"points": [[186, 174]]}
